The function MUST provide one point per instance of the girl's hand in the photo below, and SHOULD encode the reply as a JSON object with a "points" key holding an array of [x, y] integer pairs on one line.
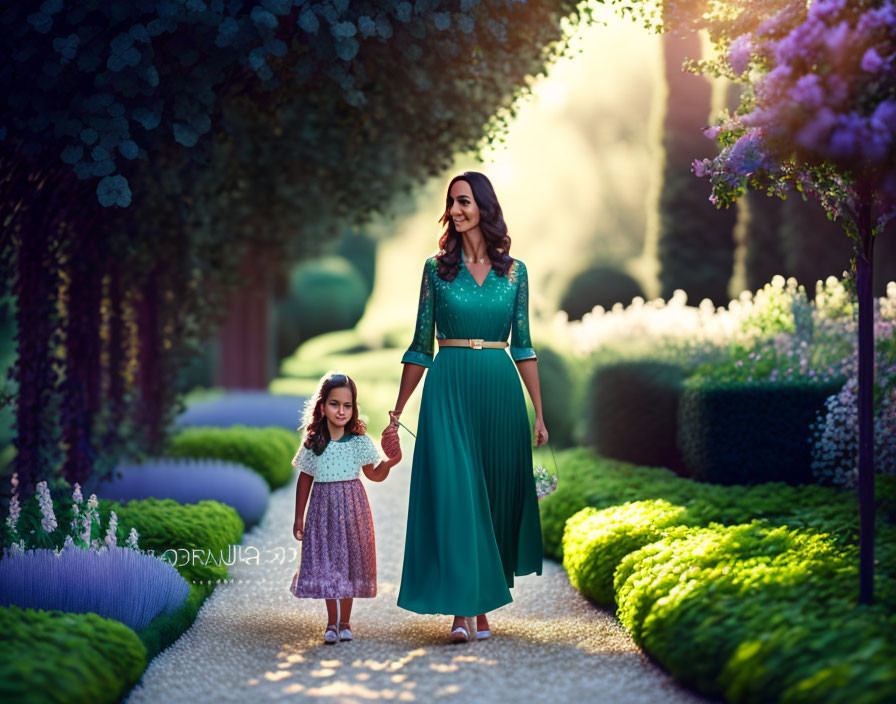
{"points": [[298, 528], [541, 433]]}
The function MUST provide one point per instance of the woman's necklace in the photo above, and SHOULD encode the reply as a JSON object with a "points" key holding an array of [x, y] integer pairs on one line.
{"points": [[482, 260]]}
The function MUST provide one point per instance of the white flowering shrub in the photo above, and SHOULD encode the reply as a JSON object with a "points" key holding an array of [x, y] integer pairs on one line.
{"points": [[775, 334]]}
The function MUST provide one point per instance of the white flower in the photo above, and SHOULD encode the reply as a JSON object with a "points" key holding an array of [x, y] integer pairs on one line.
{"points": [[85, 527], [14, 511], [92, 502], [133, 538], [111, 540], [48, 521], [76, 494]]}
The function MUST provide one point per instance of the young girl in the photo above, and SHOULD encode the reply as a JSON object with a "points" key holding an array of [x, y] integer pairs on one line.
{"points": [[338, 550]]}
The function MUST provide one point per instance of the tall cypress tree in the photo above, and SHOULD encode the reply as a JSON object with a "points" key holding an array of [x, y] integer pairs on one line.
{"points": [[695, 242]]}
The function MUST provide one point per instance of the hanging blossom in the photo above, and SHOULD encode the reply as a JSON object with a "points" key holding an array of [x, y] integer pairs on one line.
{"points": [[76, 494], [821, 115]]}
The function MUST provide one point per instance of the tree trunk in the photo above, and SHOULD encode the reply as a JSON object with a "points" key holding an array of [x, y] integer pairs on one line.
{"points": [[35, 287], [245, 339], [764, 255], [864, 273], [150, 373]]}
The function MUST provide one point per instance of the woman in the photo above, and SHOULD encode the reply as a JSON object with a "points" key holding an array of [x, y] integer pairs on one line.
{"points": [[473, 514]]}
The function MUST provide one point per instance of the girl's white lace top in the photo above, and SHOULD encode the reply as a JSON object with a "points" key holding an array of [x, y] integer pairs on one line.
{"points": [[341, 459]]}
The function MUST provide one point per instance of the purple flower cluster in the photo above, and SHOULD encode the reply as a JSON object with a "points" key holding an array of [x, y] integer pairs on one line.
{"points": [[827, 96]]}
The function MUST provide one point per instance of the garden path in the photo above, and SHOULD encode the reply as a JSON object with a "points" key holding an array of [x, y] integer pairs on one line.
{"points": [[253, 640]]}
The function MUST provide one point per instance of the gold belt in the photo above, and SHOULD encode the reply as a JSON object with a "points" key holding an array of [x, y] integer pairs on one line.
{"points": [[473, 343]]}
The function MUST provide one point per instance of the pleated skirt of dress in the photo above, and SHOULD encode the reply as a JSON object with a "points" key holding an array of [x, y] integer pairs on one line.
{"points": [[473, 520], [338, 558]]}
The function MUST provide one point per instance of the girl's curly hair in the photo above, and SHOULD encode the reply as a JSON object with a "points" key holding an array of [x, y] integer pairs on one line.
{"points": [[316, 433], [491, 223]]}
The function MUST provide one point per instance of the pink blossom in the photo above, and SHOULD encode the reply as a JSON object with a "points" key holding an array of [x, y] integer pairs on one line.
{"points": [[739, 53], [807, 91], [712, 131], [698, 166], [871, 61], [816, 130]]}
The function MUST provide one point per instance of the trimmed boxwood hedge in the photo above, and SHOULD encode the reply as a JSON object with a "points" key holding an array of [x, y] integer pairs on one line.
{"points": [[165, 524], [759, 613], [632, 412], [269, 451], [53, 656], [586, 479], [762, 609], [735, 433]]}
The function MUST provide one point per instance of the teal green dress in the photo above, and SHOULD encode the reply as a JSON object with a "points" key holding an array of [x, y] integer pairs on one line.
{"points": [[473, 518]]}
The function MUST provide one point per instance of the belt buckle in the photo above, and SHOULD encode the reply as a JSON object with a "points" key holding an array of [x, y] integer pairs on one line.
{"points": [[476, 343]]}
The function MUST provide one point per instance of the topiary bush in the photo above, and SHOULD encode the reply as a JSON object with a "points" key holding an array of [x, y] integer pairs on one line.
{"points": [[736, 433], [324, 294], [632, 412], [559, 397], [268, 451], [598, 286], [595, 541], [168, 529], [706, 603], [359, 249], [587, 479], [189, 481], [52, 656]]}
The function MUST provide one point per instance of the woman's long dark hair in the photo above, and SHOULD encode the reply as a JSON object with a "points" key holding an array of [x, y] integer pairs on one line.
{"points": [[491, 222], [314, 422]]}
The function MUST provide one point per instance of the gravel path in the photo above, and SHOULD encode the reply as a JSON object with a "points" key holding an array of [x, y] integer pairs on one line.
{"points": [[253, 640]]}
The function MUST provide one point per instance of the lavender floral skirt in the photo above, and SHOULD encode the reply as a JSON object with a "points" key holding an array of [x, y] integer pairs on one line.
{"points": [[338, 548]]}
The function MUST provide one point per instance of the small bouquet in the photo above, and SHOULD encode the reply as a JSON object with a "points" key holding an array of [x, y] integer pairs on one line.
{"points": [[545, 481]]}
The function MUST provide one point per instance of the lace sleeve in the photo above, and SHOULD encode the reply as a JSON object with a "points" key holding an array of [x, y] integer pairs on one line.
{"points": [[520, 342], [304, 460], [366, 451], [421, 349]]}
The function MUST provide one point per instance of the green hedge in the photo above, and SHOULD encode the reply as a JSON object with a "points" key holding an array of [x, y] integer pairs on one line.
{"points": [[733, 433], [165, 524], [744, 592], [632, 411], [53, 656], [758, 613], [598, 286], [595, 541], [586, 479], [164, 629], [269, 451], [558, 397]]}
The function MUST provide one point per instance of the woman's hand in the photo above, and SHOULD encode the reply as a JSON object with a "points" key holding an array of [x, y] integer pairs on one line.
{"points": [[541, 432], [389, 440], [298, 528]]}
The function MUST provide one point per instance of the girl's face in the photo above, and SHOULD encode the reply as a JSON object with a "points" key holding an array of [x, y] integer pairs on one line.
{"points": [[338, 406], [462, 207]]}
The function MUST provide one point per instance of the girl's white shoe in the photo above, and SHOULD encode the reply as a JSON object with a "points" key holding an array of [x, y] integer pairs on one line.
{"points": [[482, 635], [346, 633], [330, 635]]}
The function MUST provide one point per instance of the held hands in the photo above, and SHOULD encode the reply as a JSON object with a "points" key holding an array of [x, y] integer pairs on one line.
{"points": [[541, 432], [389, 440], [298, 528]]}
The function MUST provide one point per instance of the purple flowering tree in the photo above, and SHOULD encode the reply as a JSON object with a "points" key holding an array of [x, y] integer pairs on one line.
{"points": [[819, 118]]}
